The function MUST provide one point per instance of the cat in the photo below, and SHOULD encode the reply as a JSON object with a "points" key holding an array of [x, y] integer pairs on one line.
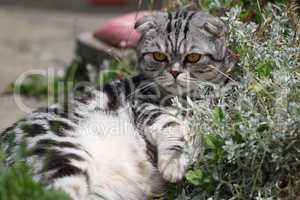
{"points": [[126, 140]]}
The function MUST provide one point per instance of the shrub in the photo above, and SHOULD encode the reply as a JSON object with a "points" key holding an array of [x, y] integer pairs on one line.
{"points": [[250, 132], [16, 183]]}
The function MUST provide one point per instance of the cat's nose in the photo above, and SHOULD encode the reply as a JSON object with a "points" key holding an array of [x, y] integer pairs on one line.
{"points": [[174, 73]]}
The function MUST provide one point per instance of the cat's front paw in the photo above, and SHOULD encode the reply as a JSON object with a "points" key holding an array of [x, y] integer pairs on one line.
{"points": [[172, 164]]}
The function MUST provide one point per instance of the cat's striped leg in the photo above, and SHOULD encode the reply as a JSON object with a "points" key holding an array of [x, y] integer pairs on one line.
{"points": [[168, 133], [172, 159]]}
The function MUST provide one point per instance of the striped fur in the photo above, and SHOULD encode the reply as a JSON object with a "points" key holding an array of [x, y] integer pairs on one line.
{"points": [[125, 140]]}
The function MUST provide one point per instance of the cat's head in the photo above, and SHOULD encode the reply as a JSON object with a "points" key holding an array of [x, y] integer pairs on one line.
{"points": [[181, 50]]}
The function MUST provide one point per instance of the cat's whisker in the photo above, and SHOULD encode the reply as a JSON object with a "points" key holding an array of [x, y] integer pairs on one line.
{"points": [[148, 85], [199, 82], [226, 75]]}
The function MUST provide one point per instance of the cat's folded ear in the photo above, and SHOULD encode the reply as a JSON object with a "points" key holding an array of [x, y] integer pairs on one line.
{"points": [[145, 24], [151, 22], [213, 25], [216, 28]]}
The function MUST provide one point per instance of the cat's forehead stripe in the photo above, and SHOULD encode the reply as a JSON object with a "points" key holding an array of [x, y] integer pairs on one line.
{"points": [[177, 27], [187, 25], [171, 43], [169, 26]]}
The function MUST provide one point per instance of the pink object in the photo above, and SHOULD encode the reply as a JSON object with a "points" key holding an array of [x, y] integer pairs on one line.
{"points": [[108, 2], [120, 31]]}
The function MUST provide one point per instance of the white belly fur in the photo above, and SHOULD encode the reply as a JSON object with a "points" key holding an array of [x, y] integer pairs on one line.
{"points": [[119, 168]]}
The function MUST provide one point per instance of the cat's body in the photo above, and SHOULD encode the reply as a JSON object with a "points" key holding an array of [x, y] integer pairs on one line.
{"points": [[125, 140], [97, 147]]}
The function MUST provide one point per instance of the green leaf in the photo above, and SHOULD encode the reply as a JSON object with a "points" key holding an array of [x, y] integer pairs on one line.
{"points": [[194, 177], [217, 115], [213, 141], [214, 151], [263, 127], [264, 69], [16, 183]]}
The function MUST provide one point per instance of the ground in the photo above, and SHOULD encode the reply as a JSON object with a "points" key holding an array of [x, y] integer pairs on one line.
{"points": [[40, 35]]}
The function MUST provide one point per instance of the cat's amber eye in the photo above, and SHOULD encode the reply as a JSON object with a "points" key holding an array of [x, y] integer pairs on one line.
{"points": [[160, 57], [193, 57]]}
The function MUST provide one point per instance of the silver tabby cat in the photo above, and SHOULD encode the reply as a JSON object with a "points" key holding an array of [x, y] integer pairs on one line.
{"points": [[125, 140]]}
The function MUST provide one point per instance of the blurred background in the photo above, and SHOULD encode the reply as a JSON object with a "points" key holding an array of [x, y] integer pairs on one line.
{"points": [[41, 34]]}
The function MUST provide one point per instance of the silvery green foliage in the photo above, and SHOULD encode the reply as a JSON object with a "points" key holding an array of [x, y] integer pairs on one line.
{"points": [[250, 129]]}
